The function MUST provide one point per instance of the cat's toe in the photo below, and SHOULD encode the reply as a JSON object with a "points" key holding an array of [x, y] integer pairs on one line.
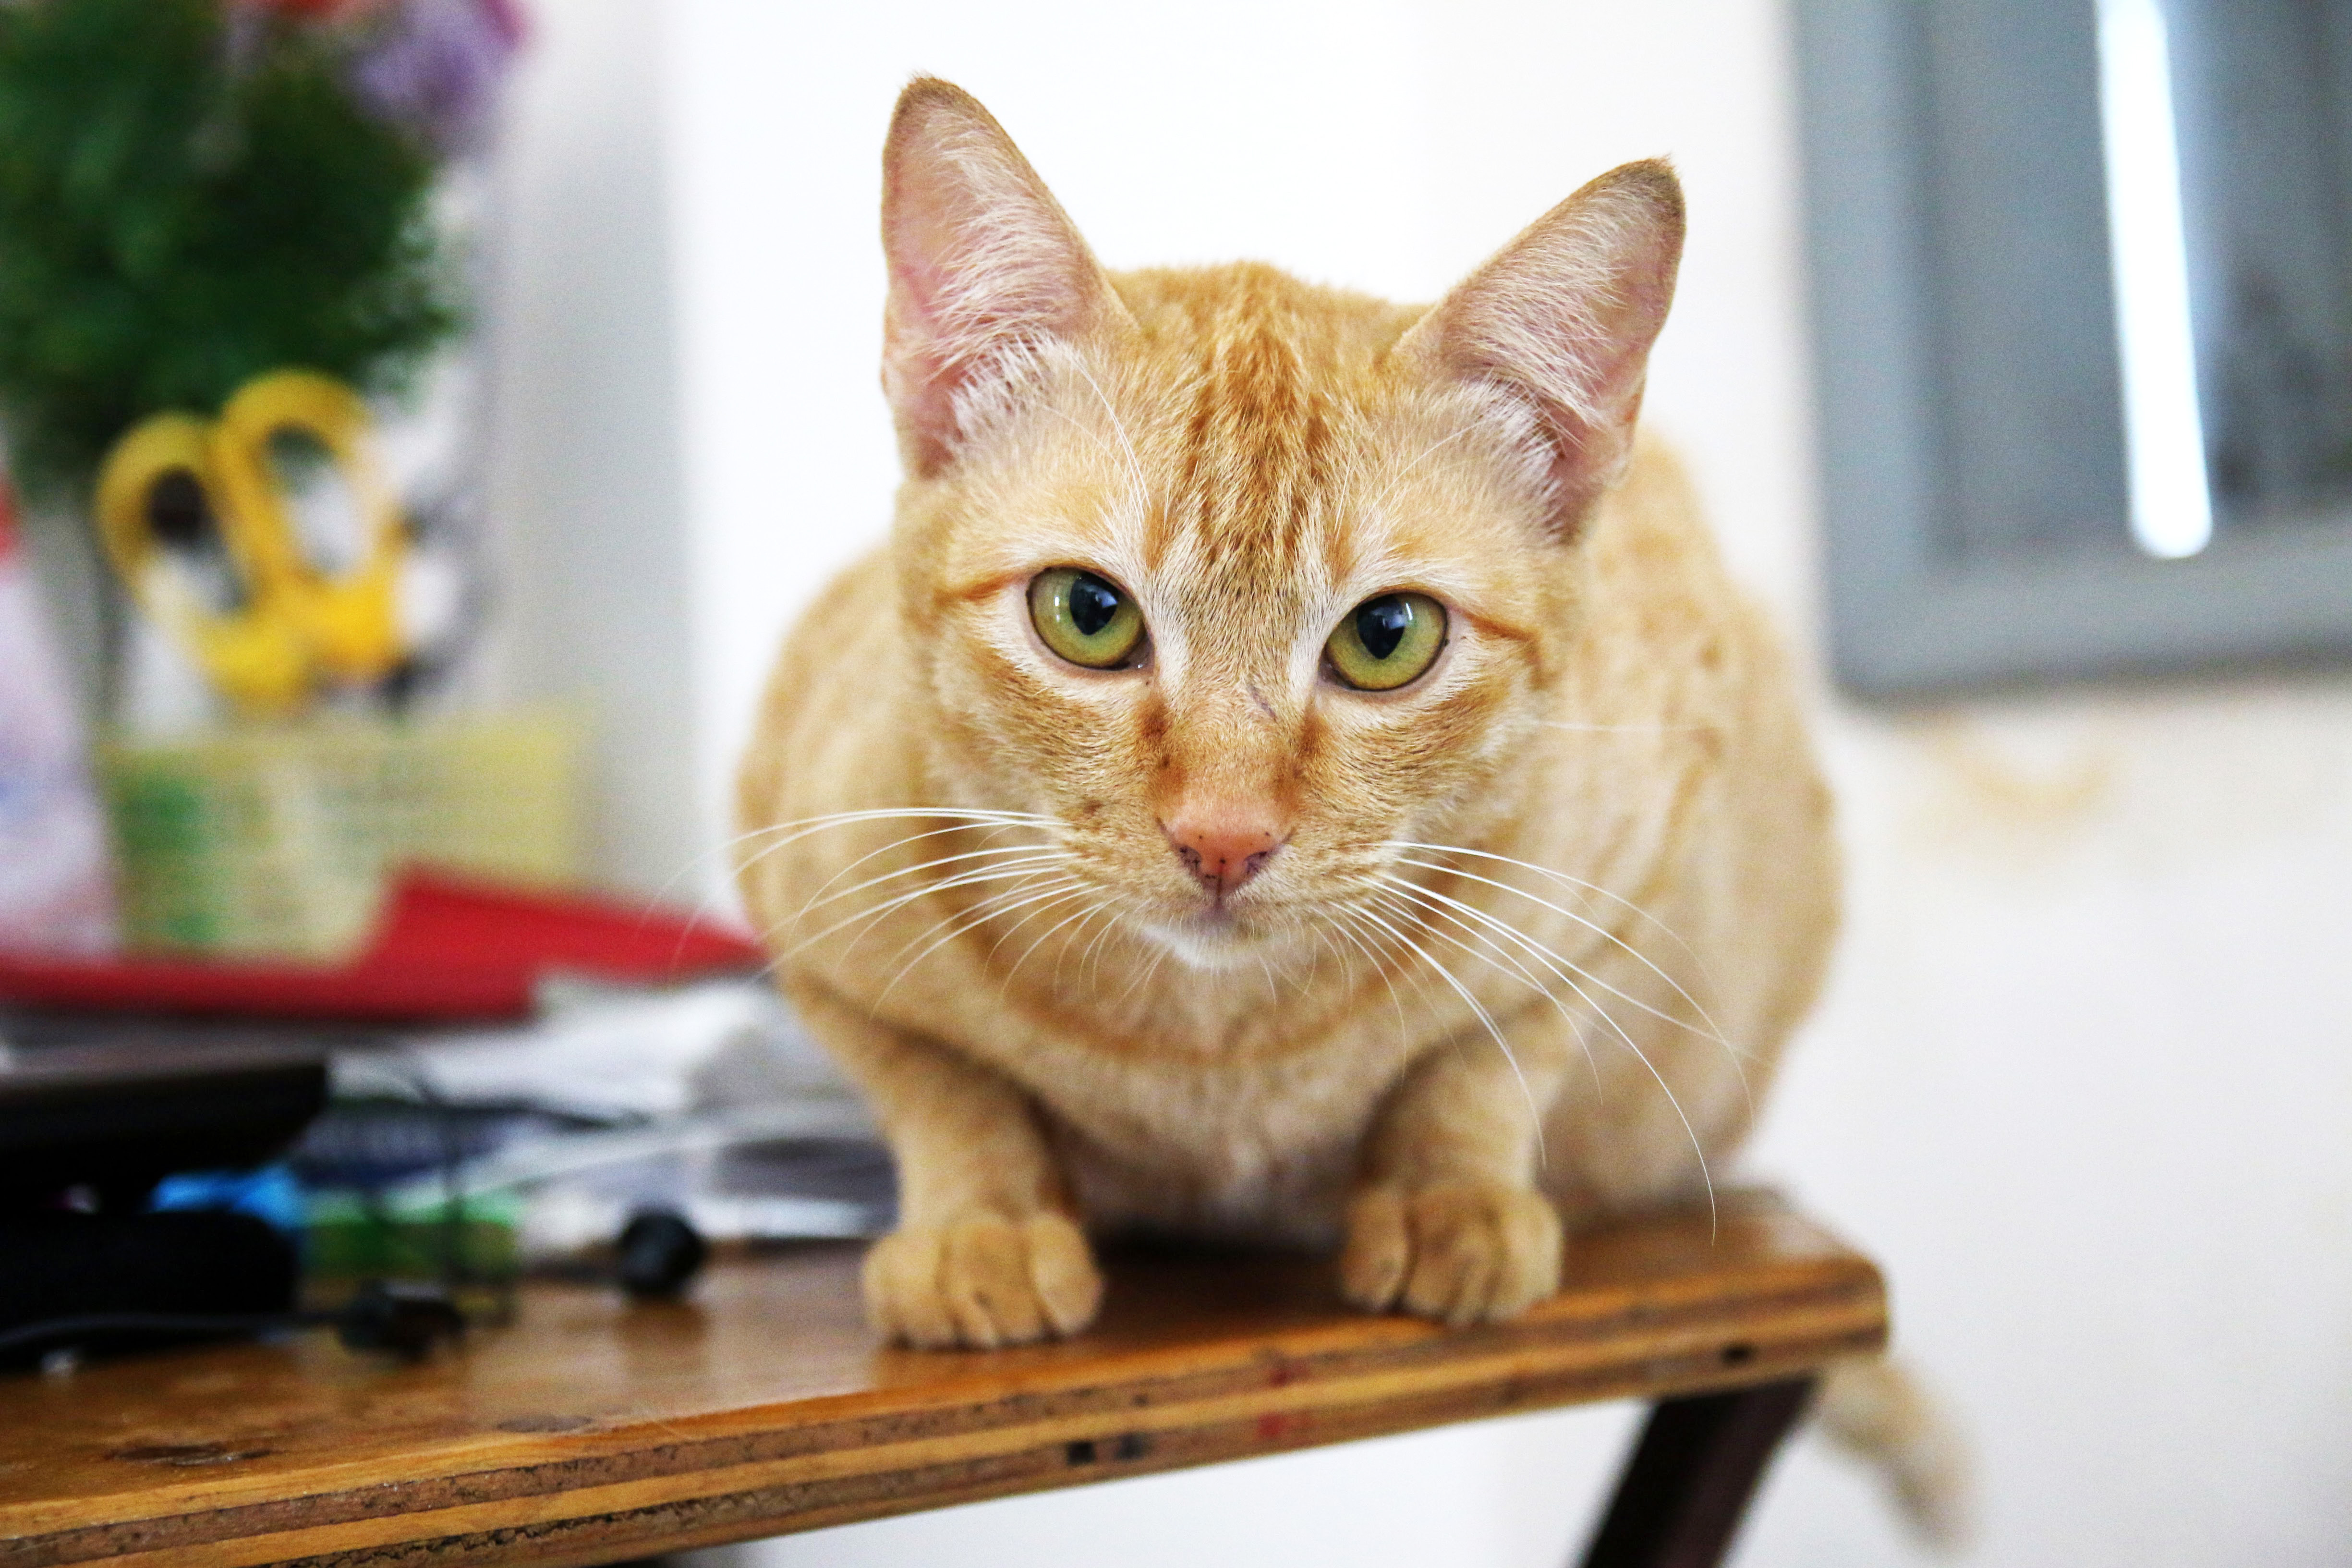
{"points": [[1062, 1268], [1377, 1252], [1464, 1252], [982, 1281]]}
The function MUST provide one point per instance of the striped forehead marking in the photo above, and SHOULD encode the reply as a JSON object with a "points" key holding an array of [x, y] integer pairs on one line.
{"points": [[1253, 419]]}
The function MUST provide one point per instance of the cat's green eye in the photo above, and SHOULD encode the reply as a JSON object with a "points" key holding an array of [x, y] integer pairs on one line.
{"points": [[1388, 641], [1089, 620]]}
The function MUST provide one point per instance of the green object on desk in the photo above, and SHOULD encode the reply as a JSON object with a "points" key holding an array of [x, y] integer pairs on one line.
{"points": [[347, 1238]]}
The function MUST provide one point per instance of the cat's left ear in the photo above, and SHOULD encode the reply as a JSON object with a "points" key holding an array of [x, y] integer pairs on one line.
{"points": [[985, 268], [1560, 322]]}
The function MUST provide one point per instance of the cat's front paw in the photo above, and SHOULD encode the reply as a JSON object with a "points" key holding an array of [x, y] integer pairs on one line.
{"points": [[982, 1281], [1468, 1252]]}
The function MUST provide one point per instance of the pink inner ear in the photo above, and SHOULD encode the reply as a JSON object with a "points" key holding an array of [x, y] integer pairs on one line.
{"points": [[983, 265], [919, 367], [1563, 321]]}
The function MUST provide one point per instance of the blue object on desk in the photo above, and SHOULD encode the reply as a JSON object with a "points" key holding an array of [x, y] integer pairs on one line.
{"points": [[270, 1195]]}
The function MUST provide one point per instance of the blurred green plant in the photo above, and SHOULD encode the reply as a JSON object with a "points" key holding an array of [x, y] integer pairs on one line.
{"points": [[191, 196]]}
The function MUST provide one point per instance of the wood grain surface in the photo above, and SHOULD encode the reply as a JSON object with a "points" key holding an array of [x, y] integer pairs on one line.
{"points": [[591, 1430]]}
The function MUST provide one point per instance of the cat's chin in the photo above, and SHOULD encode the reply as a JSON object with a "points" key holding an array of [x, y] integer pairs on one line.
{"points": [[1209, 942]]}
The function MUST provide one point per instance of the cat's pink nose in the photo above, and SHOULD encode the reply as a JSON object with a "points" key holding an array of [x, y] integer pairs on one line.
{"points": [[1223, 850]]}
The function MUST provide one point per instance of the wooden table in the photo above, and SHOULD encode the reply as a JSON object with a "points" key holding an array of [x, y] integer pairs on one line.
{"points": [[593, 1431]]}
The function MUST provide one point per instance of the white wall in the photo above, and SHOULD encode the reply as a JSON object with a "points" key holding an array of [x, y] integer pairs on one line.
{"points": [[2082, 1078], [589, 586], [2084, 1082], [1173, 143]]}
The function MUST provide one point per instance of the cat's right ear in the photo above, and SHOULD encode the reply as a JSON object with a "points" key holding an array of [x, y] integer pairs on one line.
{"points": [[986, 267]]}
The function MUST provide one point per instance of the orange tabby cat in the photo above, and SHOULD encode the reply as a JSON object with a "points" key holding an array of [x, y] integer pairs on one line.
{"points": [[1297, 769]]}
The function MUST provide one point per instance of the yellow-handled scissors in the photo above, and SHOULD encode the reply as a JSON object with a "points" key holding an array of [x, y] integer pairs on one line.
{"points": [[297, 626]]}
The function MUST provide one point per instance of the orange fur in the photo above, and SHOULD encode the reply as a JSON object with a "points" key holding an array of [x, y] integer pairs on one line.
{"points": [[963, 848]]}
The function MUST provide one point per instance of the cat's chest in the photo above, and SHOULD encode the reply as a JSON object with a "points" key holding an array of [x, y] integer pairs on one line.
{"points": [[1252, 1144]]}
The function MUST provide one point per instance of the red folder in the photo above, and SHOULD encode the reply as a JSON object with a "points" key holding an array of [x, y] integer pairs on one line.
{"points": [[447, 950]]}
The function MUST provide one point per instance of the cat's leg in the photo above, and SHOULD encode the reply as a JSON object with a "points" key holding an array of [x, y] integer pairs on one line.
{"points": [[1447, 1219], [988, 1249], [1653, 1117]]}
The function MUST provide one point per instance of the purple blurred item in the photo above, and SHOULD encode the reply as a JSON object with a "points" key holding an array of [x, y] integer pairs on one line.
{"points": [[436, 66]]}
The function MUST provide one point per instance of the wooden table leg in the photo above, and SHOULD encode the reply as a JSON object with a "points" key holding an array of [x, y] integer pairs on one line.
{"points": [[1680, 1500]]}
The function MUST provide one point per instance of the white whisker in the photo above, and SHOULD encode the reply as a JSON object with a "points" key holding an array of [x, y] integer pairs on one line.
{"points": [[1273, 993], [1102, 906], [830, 819], [706, 907], [1629, 729], [1593, 926], [978, 919], [1075, 887], [786, 834], [1351, 924], [1110, 928], [1565, 965], [874, 917], [1043, 937], [985, 908], [1004, 854], [817, 899], [1572, 972], [1143, 976], [1379, 968], [1520, 972], [1323, 942], [802, 826], [1697, 1147], [1535, 1115]]}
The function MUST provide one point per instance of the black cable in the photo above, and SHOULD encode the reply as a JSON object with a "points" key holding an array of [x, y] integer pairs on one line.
{"points": [[444, 1117], [456, 1269], [405, 1320], [85, 1324]]}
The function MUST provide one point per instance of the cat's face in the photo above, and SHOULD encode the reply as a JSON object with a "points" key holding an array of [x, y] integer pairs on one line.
{"points": [[1232, 578], [1243, 583]]}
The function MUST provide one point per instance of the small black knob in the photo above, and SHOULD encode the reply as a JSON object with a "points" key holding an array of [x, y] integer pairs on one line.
{"points": [[403, 1319], [659, 1253]]}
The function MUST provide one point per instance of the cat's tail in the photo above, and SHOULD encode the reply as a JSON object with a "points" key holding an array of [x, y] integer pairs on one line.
{"points": [[1878, 1410]]}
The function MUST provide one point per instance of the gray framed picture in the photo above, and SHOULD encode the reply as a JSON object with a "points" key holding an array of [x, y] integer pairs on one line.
{"points": [[2082, 298]]}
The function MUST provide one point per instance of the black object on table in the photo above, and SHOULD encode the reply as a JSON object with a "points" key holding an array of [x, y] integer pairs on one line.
{"points": [[86, 1132]]}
